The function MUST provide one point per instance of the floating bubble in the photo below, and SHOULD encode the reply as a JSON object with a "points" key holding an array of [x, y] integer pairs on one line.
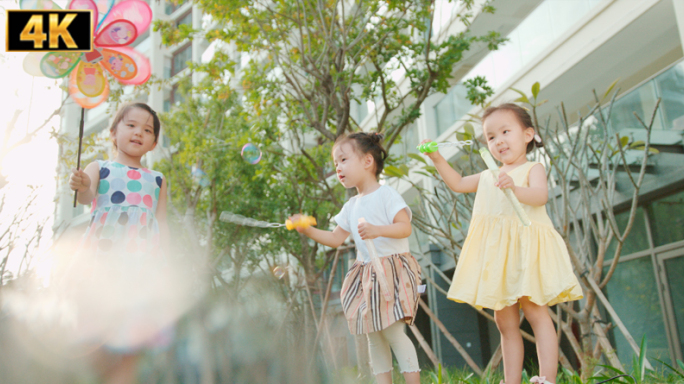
{"points": [[279, 272], [251, 153], [200, 176]]}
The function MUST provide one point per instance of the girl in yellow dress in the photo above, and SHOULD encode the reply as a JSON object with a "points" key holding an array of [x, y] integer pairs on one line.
{"points": [[504, 265]]}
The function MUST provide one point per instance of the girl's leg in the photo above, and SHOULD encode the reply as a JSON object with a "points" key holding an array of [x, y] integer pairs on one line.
{"points": [[545, 333], [116, 368], [404, 350], [126, 371], [508, 322], [381, 357]]}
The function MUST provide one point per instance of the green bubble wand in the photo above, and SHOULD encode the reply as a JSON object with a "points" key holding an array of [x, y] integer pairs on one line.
{"points": [[433, 146]]}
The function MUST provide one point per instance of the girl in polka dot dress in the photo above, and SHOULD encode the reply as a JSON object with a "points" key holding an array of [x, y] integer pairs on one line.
{"points": [[126, 235], [128, 201]]}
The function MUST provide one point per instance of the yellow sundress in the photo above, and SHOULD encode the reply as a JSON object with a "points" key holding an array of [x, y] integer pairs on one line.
{"points": [[502, 260]]}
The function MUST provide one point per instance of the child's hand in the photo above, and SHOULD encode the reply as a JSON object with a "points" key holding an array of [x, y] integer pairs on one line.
{"points": [[79, 181], [505, 181], [368, 231], [294, 218], [432, 155]]}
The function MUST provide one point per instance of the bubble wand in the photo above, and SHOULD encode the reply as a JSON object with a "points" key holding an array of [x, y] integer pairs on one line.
{"points": [[377, 266], [433, 146], [487, 157], [302, 222]]}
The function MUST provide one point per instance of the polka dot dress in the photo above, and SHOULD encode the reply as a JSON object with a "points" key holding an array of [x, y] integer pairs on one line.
{"points": [[123, 215]]}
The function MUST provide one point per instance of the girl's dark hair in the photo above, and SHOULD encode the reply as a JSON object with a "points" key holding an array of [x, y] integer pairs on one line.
{"points": [[121, 113], [524, 119], [367, 143]]}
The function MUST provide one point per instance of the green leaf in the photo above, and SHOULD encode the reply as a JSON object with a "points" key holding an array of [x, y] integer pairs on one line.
{"points": [[417, 157], [639, 143], [468, 128], [535, 89], [671, 367], [681, 364], [623, 141], [523, 97], [393, 171], [431, 169], [650, 149], [610, 88], [642, 358], [611, 368]]}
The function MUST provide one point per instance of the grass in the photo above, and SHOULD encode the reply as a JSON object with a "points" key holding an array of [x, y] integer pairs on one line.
{"points": [[666, 375]]}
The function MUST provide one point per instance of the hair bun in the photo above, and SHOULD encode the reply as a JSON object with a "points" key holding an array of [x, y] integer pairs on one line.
{"points": [[376, 137]]}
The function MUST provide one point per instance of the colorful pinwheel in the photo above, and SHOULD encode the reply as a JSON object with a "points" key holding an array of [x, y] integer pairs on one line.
{"points": [[121, 25]]}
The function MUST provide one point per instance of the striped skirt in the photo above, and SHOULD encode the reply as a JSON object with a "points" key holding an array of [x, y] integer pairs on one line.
{"points": [[364, 304]]}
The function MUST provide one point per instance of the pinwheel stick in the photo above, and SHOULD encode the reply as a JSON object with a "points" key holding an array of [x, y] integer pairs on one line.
{"points": [[487, 157], [80, 143], [377, 266]]}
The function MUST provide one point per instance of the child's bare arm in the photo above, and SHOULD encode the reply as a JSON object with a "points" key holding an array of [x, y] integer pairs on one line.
{"points": [[86, 182], [399, 229], [332, 239], [453, 179], [537, 194]]}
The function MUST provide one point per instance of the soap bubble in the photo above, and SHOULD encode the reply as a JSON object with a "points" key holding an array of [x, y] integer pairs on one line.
{"points": [[251, 153], [200, 176], [278, 272]]}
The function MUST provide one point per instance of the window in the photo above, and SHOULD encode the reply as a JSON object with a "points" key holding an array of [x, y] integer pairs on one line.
{"points": [[675, 276], [176, 95], [635, 283], [636, 241], [667, 219], [406, 142], [634, 286], [185, 19], [642, 101], [451, 108], [670, 87], [172, 5], [180, 59], [361, 110]]}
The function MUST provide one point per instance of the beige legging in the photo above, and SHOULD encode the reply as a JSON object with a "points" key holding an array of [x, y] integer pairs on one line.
{"points": [[379, 344]]}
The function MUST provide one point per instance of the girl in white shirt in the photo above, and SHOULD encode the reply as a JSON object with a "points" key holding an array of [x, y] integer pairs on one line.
{"points": [[359, 160]]}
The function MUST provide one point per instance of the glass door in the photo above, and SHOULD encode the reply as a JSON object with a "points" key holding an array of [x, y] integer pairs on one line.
{"points": [[671, 268]]}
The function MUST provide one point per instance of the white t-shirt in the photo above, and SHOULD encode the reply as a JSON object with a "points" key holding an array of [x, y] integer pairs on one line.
{"points": [[378, 208]]}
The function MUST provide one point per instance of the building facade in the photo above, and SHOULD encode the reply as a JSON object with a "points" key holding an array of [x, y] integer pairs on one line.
{"points": [[573, 47]]}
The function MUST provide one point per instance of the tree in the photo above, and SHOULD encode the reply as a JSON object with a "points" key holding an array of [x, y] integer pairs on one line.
{"points": [[310, 66]]}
